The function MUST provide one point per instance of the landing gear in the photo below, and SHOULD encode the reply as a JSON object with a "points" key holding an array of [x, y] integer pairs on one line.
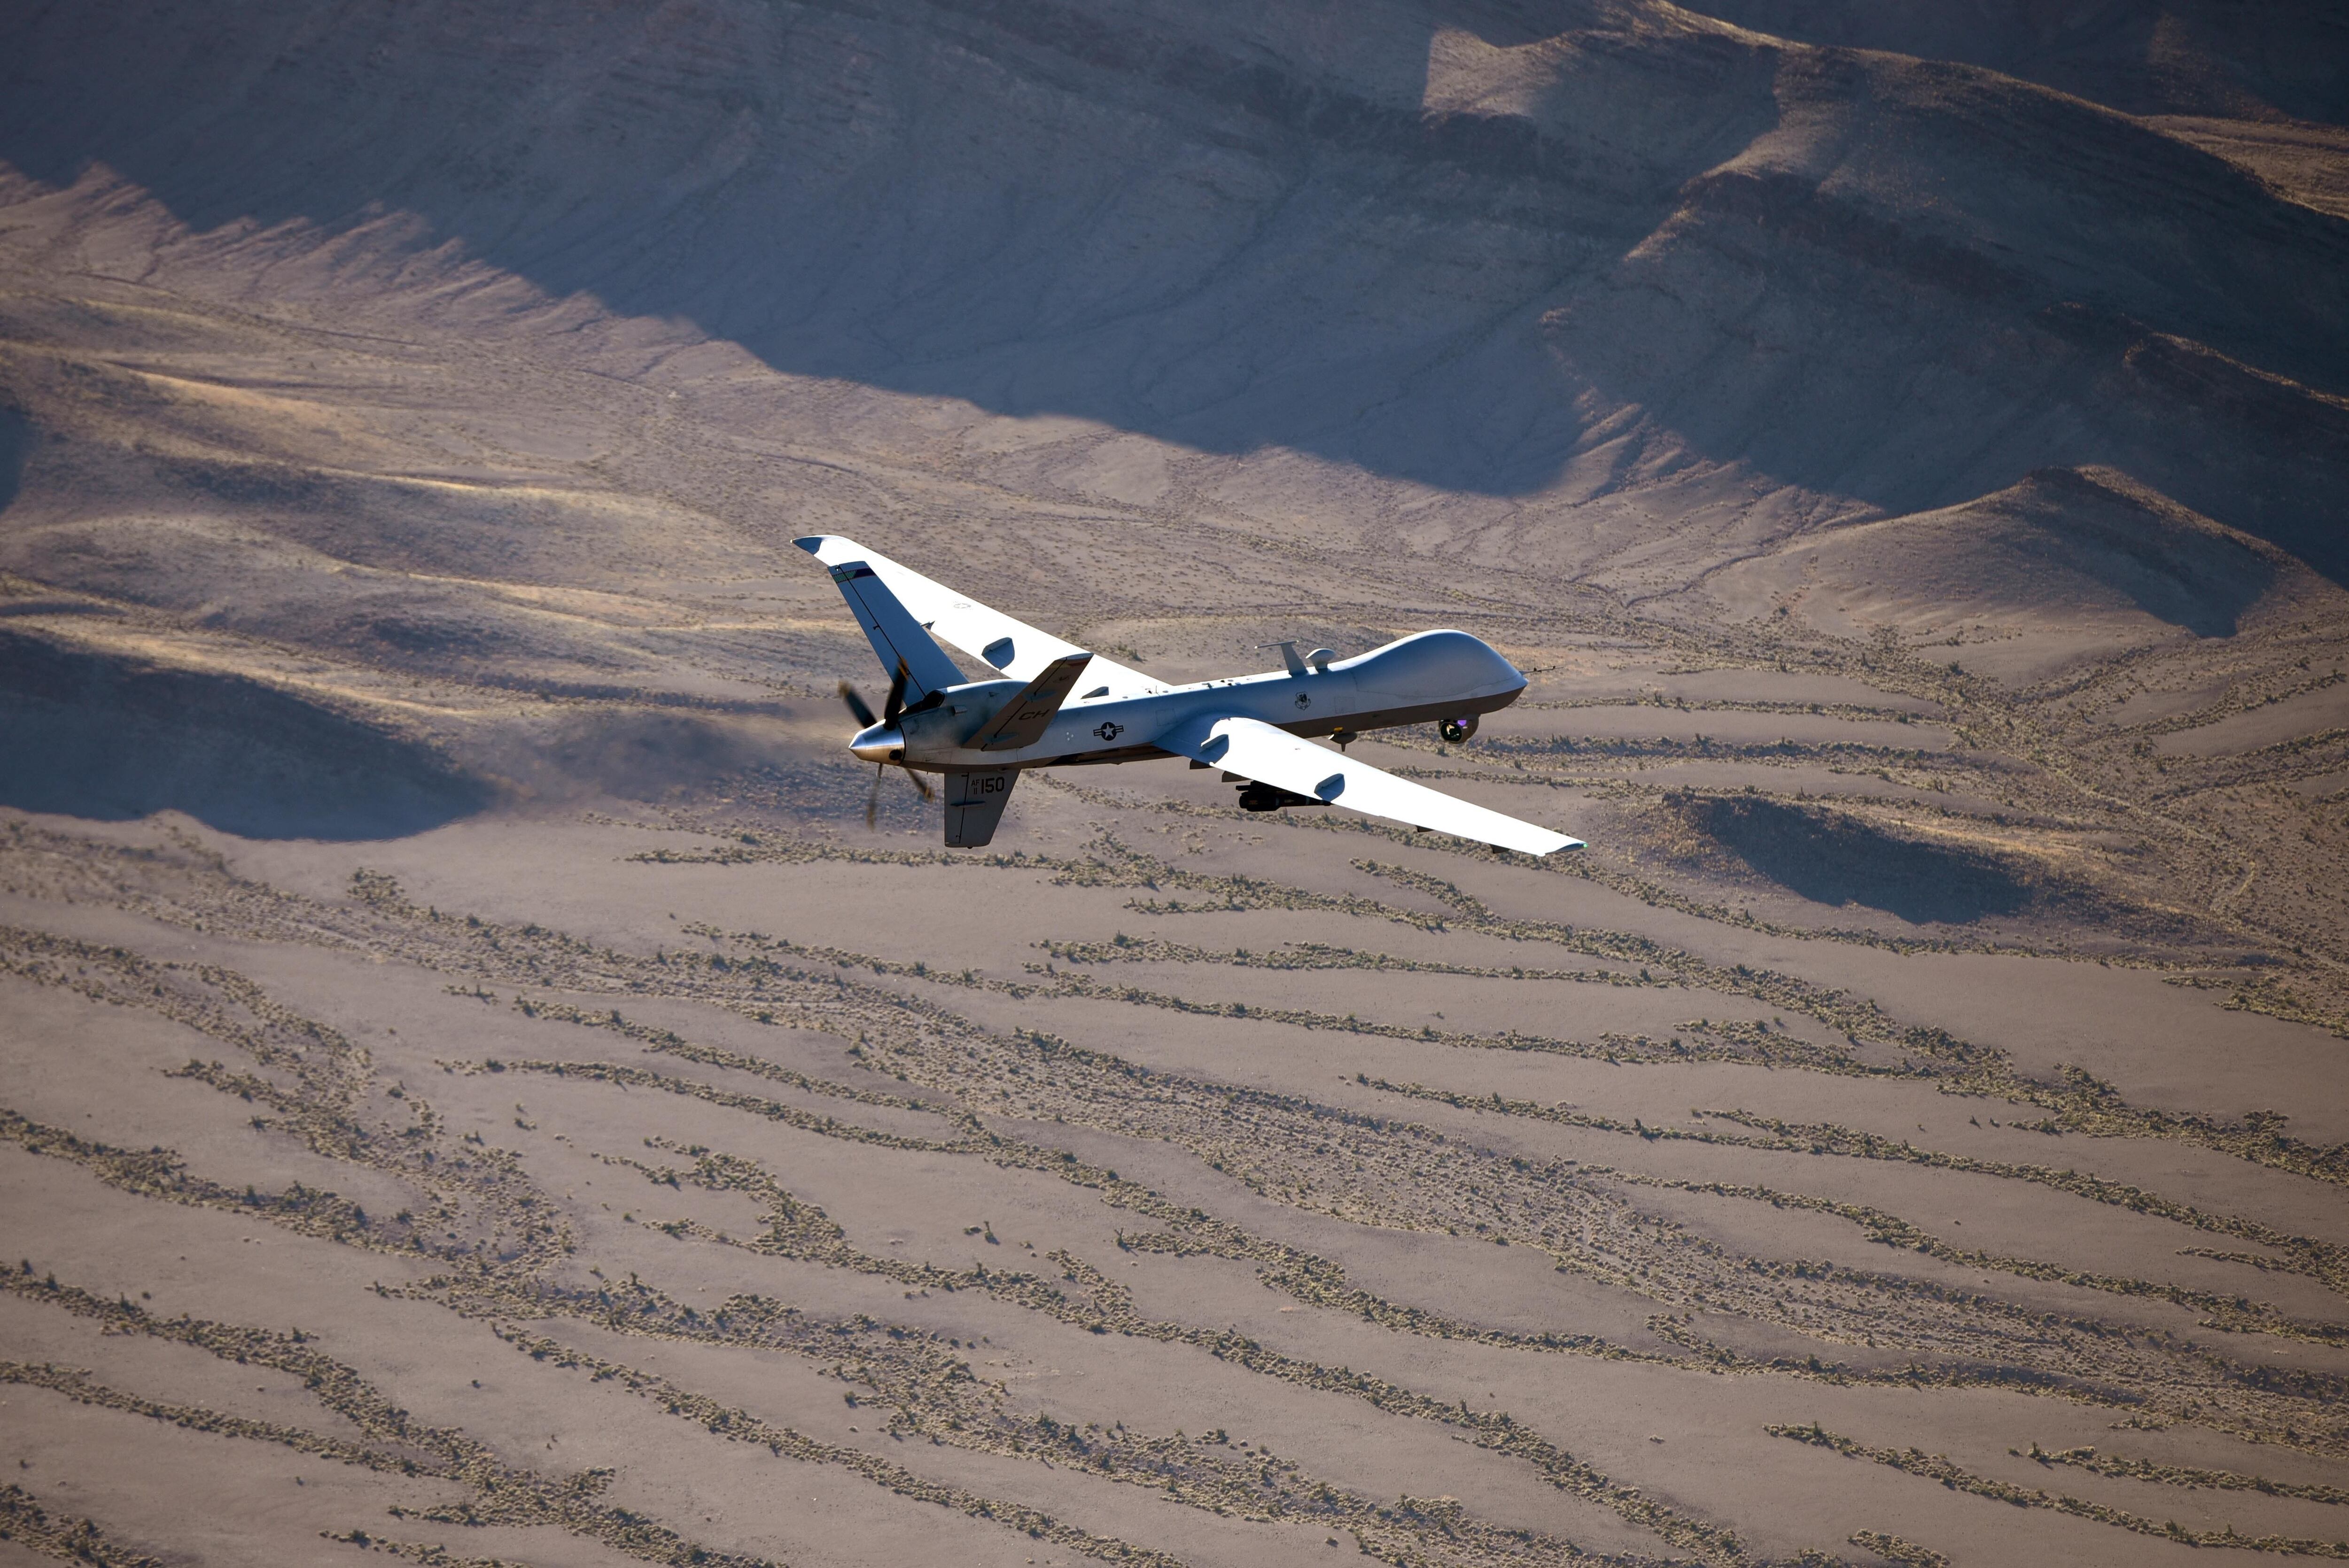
{"points": [[1456, 731]]}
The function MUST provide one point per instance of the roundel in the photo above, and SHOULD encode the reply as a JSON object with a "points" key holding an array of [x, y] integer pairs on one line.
{"points": [[1305, 699]]}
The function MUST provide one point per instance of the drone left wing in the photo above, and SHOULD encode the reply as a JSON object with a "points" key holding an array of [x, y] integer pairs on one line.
{"points": [[1014, 647], [1255, 750]]}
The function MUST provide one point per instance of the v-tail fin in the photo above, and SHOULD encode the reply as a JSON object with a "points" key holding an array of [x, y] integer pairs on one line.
{"points": [[1025, 716], [975, 800]]}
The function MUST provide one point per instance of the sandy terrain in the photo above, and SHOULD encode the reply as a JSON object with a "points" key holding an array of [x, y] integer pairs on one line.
{"points": [[478, 1093]]}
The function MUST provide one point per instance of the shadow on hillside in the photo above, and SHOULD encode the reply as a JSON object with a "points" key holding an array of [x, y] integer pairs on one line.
{"points": [[1834, 860], [1233, 237], [1032, 206], [16, 443], [88, 736]]}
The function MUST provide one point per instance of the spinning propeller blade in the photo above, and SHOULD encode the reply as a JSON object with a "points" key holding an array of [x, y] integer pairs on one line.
{"points": [[891, 710], [872, 800], [856, 707], [896, 703]]}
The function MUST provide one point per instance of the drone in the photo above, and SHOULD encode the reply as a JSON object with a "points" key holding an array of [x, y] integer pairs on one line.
{"points": [[1258, 729]]}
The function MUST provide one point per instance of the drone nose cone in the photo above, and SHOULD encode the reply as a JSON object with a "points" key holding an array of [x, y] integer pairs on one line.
{"points": [[880, 743], [1452, 663]]}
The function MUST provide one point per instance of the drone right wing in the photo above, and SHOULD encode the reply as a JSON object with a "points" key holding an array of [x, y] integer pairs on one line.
{"points": [[1255, 750], [1013, 647]]}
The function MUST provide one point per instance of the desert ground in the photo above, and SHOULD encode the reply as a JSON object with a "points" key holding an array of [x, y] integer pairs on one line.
{"points": [[447, 972]]}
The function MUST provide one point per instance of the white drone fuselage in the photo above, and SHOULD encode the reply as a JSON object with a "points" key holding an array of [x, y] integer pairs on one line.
{"points": [[1058, 706], [1423, 679]]}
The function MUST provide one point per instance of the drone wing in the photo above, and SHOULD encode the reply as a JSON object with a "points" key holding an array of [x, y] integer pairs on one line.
{"points": [[1014, 647], [1255, 750]]}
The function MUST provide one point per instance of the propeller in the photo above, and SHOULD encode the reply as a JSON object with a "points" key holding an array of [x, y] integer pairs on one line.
{"points": [[891, 707], [896, 704]]}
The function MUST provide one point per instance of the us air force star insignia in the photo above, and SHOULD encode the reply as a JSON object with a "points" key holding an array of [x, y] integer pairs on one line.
{"points": [[1108, 731], [1305, 699]]}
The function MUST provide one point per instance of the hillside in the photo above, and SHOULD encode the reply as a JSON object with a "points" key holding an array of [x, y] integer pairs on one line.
{"points": [[1902, 444]]}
